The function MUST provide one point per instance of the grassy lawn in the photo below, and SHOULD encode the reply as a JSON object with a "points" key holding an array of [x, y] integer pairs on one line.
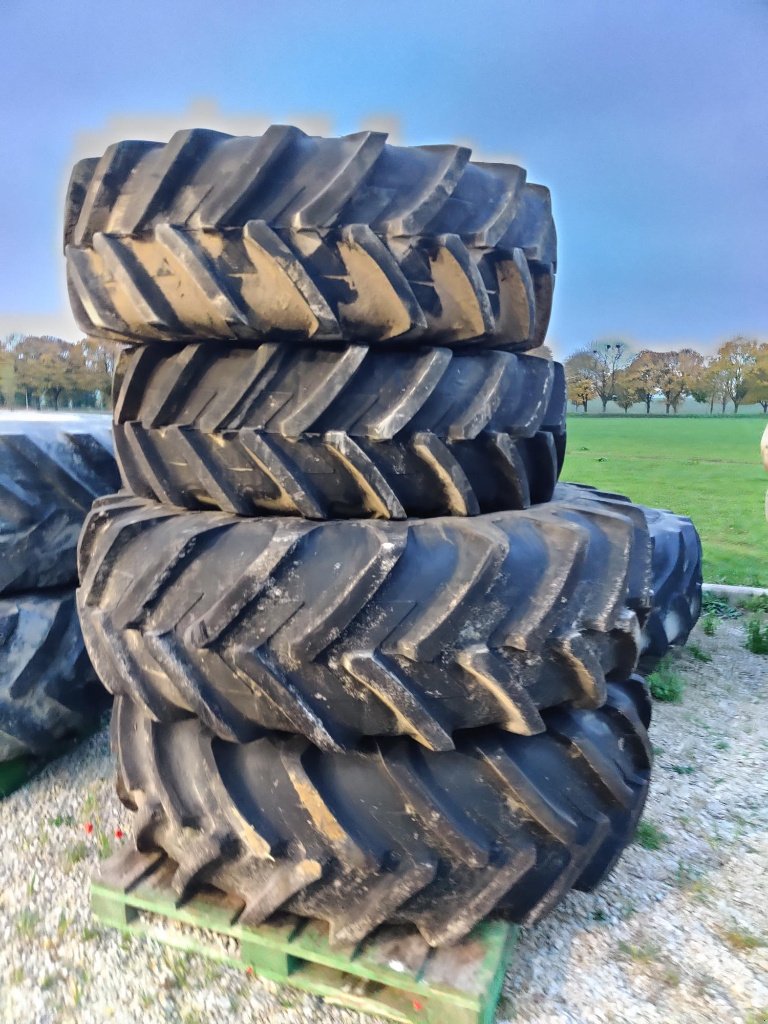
{"points": [[708, 469]]}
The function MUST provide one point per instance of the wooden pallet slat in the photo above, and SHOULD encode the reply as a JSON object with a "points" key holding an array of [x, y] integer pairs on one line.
{"points": [[17, 772], [394, 974], [13, 774]]}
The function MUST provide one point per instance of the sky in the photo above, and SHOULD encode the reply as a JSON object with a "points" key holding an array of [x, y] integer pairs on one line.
{"points": [[648, 121]]}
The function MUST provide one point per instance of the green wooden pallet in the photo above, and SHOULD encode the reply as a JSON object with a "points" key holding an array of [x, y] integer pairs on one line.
{"points": [[395, 974], [14, 774]]}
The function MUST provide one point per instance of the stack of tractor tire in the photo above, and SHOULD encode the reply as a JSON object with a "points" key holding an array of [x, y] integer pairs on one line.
{"points": [[371, 663], [51, 471]]}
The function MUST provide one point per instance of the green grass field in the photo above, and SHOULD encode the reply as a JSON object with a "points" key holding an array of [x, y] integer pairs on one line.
{"points": [[708, 469]]}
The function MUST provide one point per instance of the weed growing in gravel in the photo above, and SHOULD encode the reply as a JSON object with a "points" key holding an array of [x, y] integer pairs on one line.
{"points": [[90, 804], [758, 1017], [211, 971], [757, 637], [708, 624], [26, 923], [650, 836], [758, 603], [179, 967], [77, 994], [722, 745], [739, 939], [691, 880], [506, 1009], [696, 652], [76, 853], [105, 849], [17, 976], [62, 819], [645, 953], [666, 684], [682, 769], [718, 606], [670, 977], [89, 933]]}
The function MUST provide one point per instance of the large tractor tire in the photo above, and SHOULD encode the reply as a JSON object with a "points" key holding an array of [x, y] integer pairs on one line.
{"points": [[345, 629], [293, 238], [676, 561], [392, 833], [50, 475], [676, 584], [338, 433], [48, 690]]}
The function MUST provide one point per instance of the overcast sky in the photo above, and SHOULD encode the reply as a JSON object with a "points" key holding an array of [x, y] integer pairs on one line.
{"points": [[649, 122]]}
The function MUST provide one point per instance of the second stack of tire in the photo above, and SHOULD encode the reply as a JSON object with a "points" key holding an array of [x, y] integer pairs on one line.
{"points": [[369, 666], [52, 467]]}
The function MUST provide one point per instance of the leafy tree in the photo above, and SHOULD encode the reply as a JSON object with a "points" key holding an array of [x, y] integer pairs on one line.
{"points": [[53, 370], [707, 386], [581, 391], [678, 371], [7, 379], [625, 392], [644, 377], [99, 360], [758, 379], [736, 360], [27, 368]]}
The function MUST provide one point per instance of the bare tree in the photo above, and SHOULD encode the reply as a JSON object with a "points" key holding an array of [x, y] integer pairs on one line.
{"points": [[599, 364]]}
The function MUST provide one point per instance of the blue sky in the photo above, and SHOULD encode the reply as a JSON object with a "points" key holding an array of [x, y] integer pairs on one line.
{"points": [[649, 122]]}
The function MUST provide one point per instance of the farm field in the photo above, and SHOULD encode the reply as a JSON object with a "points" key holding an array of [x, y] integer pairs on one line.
{"points": [[708, 469]]}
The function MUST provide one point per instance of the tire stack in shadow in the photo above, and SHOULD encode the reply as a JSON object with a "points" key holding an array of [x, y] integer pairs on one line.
{"points": [[51, 471], [371, 663]]}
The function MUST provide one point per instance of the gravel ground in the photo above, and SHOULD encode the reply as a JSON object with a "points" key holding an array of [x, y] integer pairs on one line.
{"points": [[676, 935]]}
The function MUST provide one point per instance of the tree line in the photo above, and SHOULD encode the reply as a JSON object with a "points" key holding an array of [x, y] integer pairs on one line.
{"points": [[610, 371], [38, 372], [42, 371]]}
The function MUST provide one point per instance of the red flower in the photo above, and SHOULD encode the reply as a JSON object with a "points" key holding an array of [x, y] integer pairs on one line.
{"points": [[249, 970], [119, 833], [88, 826], [417, 1005]]}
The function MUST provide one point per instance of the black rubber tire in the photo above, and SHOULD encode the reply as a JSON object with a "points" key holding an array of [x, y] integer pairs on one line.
{"points": [[292, 238], [349, 432], [676, 560], [50, 474], [392, 833], [48, 689], [676, 584], [345, 629]]}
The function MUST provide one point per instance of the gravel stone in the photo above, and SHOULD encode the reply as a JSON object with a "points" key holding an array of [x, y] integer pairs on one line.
{"points": [[668, 938]]}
